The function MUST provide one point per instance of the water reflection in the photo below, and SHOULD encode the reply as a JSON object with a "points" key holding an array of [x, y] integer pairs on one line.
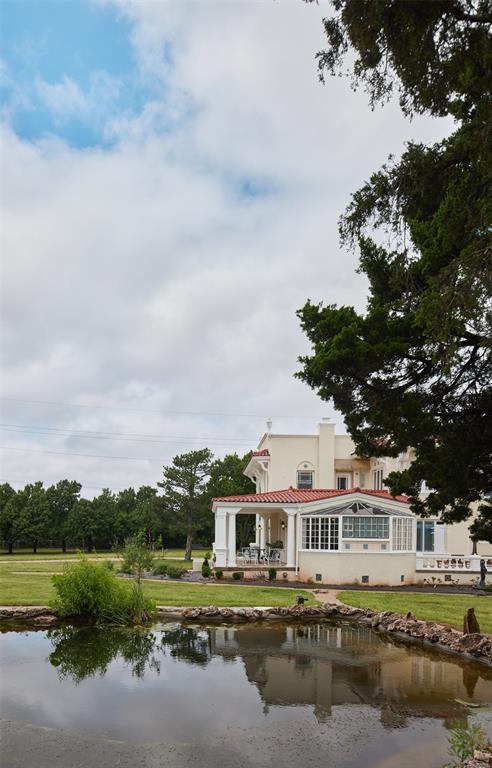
{"points": [[80, 653], [325, 666], [316, 665]]}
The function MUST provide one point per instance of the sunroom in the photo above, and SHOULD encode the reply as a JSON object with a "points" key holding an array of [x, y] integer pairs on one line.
{"points": [[334, 536]]}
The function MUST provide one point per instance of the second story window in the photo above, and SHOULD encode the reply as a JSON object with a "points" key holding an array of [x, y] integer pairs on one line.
{"points": [[377, 479], [304, 479], [343, 482]]}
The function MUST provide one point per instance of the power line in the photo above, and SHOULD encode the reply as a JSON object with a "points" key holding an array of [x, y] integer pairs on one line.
{"points": [[150, 410], [83, 455], [133, 437]]}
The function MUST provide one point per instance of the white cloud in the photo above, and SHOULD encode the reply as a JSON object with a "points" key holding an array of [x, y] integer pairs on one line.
{"points": [[143, 276], [67, 99]]}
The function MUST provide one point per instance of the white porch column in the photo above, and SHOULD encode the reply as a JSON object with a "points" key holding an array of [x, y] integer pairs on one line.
{"points": [[263, 524], [231, 553], [220, 545], [291, 537], [257, 532]]}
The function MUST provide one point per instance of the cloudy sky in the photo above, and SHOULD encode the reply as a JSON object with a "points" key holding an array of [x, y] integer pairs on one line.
{"points": [[172, 174]]}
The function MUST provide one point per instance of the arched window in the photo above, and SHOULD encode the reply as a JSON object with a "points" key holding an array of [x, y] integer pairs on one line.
{"points": [[305, 475]]}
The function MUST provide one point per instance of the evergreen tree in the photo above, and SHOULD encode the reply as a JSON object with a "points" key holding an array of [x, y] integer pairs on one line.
{"points": [[415, 369], [185, 498]]}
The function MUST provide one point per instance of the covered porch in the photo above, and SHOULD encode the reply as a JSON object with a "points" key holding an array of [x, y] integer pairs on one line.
{"points": [[274, 544]]}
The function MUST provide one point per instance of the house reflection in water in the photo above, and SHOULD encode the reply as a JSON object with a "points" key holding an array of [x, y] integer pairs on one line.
{"points": [[324, 666]]}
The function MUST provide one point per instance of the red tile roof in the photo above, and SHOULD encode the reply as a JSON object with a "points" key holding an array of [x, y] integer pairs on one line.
{"points": [[300, 496], [264, 452]]}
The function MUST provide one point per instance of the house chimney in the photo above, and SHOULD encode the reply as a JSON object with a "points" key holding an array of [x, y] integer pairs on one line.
{"points": [[269, 426]]}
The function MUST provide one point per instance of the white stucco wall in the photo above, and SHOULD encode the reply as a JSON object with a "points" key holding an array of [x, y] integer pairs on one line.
{"points": [[346, 568], [288, 453]]}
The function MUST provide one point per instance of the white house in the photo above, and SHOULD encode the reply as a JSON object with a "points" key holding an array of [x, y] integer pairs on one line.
{"points": [[322, 513]]}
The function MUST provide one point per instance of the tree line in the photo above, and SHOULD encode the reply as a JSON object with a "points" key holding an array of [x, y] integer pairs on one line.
{"points": [[176, 512]]}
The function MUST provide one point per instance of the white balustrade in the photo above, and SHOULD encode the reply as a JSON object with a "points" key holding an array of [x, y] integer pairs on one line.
{"points": [[451, 563]]}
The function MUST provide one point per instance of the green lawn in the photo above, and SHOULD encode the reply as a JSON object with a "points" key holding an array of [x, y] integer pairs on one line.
{"points": [[50, 554], [445, 609], [30, 584], [57, 554], [55, 566], [172, 593]]}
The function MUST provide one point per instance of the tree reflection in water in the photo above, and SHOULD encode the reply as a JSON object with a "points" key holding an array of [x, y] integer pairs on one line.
{"points": [[188, 644], [81, 652]]}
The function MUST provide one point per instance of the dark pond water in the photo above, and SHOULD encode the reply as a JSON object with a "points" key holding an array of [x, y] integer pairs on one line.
{"points": [[252, 695]]}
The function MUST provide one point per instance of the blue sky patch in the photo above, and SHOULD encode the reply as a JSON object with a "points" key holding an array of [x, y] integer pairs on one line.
{"points": [[67, 68]]}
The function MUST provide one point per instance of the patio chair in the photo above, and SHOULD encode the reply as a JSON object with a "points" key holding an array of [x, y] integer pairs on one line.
{"points": [[274, 556]]}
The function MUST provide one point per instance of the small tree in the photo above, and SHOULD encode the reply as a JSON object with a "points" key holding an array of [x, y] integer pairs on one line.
{"points": [[137, 558], [206, 570], [185, 497]]}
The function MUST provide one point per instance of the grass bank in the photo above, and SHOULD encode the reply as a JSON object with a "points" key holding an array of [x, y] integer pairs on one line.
{"points": [[445, 609], [30, 584]]}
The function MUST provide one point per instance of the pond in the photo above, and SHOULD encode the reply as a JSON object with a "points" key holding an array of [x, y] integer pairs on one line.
{"points": [[292, 694]]}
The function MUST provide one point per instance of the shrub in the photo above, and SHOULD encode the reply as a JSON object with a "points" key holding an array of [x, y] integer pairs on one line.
{"points": [[237, 575], [206, 570], [109, 564], [219, 573], [160, 568], [175, 571], [272, 574], [92, 591]]}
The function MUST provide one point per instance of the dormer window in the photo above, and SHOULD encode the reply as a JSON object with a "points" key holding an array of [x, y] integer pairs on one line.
{"points": [[304, 479]]}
